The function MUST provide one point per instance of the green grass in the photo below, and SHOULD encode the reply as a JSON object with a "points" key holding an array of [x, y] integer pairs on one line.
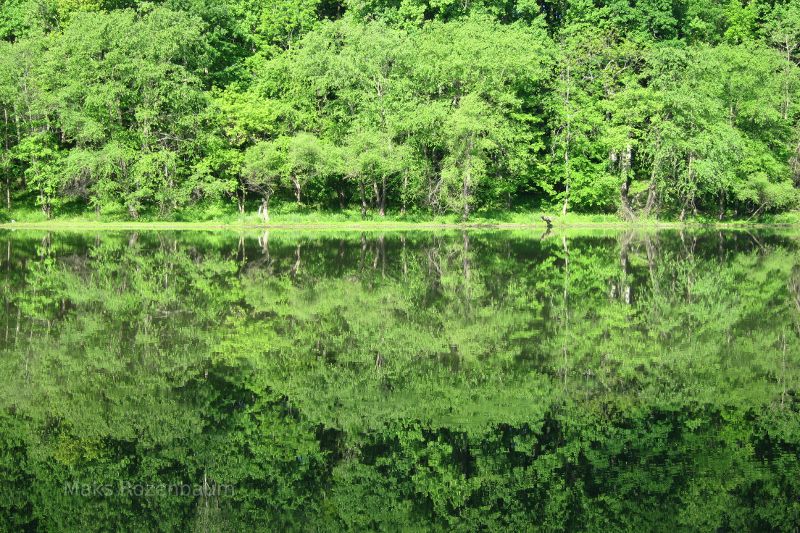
{"points": [[216, 215]]}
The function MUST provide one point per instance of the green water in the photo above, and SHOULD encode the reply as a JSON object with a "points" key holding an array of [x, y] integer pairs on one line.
{"points": [[451, 381]]}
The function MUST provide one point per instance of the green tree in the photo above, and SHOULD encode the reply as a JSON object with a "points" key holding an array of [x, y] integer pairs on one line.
{"points": [[263, 168]]}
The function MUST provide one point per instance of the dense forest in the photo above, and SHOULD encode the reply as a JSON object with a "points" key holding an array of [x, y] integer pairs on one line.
{"points": [[476, 381], [638, 107]]}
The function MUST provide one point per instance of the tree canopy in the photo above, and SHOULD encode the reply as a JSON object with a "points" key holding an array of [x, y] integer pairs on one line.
{"points": [[637, 108]]}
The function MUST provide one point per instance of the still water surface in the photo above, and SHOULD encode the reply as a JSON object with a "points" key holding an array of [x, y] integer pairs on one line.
{"points": [[484, 380]]}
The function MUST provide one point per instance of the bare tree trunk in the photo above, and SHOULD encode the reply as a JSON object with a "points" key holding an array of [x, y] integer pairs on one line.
{"points": [[263, 209], [297, 189]]}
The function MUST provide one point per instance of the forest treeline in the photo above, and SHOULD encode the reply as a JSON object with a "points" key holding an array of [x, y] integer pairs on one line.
{"points": [[639, 107]]}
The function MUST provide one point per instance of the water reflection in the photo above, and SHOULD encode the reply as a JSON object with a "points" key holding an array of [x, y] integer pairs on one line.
{"points": [[458, 380]]}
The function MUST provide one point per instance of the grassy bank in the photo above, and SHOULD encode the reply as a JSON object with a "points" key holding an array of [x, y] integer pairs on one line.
{"points": [[222, 217]]}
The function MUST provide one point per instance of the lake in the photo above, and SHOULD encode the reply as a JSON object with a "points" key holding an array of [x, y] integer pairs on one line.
{"points": [[454, 381]]}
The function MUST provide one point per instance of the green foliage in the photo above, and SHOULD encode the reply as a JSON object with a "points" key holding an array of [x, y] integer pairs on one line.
{"points": [[646, 108]]}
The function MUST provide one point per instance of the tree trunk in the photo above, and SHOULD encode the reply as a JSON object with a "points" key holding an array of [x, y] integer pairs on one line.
{"points": [[363, 199], [405, 189], [7, 171], [625, 166], [240, 198], [24, 181], [466, 184], [297, 189], [794, 163], [566, 177], [382, 211], [263, 209], [651, 197], [627, 213], [689, 201]]}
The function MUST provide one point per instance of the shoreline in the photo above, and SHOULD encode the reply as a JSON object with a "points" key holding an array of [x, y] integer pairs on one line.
{"points": [[67, 225]]}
